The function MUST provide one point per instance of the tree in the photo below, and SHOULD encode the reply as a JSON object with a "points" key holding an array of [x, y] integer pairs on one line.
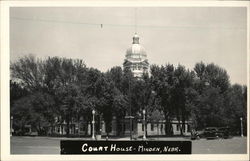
{"points": [[33, 110], [115, 74], [16, 91], [210, 108], [105, 104], [43, 108], [156, 116], [162, 81], [211, 84], [21, 112], [120, 98], [128, 84], [42, 90], [213, 75], [141, 94], [60, 78], [65, 86], [235, 108], [27, 70], [182, 98]]}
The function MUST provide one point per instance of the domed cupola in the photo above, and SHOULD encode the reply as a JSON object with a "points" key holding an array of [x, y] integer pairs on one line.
{"points": [[136, 39], [136, 58]]}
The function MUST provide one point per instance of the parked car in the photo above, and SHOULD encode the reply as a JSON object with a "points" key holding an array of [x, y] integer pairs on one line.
{"points": [[34, 133], [193, 135], [200, 133], [224, 132], [211, 133], [196, 135]]}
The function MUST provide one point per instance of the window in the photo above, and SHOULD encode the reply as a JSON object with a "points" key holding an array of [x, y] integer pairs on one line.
{"points": [[152, 127], [142, 127], [161, 127]]}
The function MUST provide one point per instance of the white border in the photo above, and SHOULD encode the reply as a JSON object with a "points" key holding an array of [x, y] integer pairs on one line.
{"points": [[5, 59]]}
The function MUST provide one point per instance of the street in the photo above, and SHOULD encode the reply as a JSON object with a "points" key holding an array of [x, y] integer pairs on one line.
{"points": [[51, 145]]}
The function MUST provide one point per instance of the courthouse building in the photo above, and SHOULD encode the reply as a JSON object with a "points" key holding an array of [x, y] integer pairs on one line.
{"points": [[135, 60]]}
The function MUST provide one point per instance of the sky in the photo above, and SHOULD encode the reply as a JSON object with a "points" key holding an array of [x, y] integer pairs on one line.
{"points": [[175, 35]]}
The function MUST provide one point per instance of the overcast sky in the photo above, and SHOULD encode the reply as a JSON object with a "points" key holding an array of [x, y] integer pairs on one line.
{"points": [[173, 35]]}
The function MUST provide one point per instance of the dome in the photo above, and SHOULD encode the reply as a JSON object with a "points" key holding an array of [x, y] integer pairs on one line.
{"points": [[136, 51], [136, 58]]}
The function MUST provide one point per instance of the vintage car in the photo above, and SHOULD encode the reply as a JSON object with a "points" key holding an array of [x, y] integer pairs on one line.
{"points": [[196, 135], [211, 133], [224, 132]]}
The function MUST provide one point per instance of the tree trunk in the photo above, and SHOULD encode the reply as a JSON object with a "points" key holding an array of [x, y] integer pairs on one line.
{"points": [[167, 126], [119, 127], [52, 128], [183, 119], [67, 130], [183, 124], [86, 128], [158, 128], [179, 124]]}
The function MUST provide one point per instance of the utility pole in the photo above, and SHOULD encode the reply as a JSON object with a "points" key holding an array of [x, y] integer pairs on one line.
{"points": [[11, 125], [93, 125], [78, 122], [241, 127], [144, 124], [130, 110]]}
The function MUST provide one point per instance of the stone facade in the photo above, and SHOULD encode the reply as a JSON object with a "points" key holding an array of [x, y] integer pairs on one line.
{"points": [[152, 128]]}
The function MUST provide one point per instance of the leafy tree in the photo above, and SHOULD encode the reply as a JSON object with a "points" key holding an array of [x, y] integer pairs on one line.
{"points": [[211, 83], [21, 112], [120, 99], [65, 86], [42, 90], [33, 110], [183, 88], [211, 75], [69, 96], [16, 91], [43, 111], [59, 77], [163, 84], [105, 96], [210, 108], [141, 95], [156, 116], [235, 108], [27, 70], [115, 75]]}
